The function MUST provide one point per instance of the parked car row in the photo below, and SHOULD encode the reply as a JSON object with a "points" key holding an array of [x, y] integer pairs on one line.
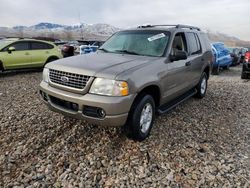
{"points": [[72, 48], [224, 57], [237, 54]]}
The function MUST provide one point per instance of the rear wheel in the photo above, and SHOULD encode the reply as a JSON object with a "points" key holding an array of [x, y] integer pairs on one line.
{"points": [[202, 86], [141, 118]]}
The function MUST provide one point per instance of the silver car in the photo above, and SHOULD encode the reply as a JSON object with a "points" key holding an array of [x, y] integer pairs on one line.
{"points": [[134, 75]]}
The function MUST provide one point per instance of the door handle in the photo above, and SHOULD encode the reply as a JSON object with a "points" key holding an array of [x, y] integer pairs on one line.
{"points": [[47, 52], [27, 53], [188, 63]]}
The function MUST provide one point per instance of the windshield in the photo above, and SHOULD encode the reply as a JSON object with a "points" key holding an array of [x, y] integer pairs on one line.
{"points": [[3, 43], [147, 43]]}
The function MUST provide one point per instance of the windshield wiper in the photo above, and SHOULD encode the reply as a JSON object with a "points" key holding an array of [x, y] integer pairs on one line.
{"points": [[127, 52], [103, 49]]}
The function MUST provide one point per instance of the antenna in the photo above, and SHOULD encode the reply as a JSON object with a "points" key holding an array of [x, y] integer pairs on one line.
{"points": [[81, 29]]}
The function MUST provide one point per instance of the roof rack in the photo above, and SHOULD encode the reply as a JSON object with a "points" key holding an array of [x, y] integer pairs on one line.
{"points": [[169, 25]]}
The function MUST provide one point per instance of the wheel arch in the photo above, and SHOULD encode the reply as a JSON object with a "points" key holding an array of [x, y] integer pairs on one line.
{"points": [[153, 90], [207, 70], [52, 58]]}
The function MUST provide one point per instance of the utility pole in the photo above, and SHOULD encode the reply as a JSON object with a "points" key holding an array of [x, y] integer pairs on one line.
{"points": [[81, 25]]}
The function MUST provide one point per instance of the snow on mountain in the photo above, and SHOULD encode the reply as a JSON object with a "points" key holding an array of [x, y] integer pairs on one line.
{"points": [[99, 29], [45, 25]]}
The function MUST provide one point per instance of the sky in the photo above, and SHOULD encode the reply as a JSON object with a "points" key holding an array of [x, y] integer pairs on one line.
{"points": [[231, 17]]}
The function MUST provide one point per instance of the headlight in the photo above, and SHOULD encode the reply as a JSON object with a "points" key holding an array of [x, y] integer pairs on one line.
{"points": [[108, 87], [46, 75]]}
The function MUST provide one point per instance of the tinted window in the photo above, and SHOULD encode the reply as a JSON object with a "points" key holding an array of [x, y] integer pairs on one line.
{"points": [[20, 46], [40, 46], [198, 43], [206, 41], [194, 44]]}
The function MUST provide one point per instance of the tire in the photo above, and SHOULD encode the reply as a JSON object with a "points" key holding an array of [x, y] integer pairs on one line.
{"points": [[138, 127], [202, 86], [244, 75], [216, 70]]}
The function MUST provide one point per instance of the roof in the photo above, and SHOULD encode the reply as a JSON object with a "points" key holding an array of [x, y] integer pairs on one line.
{"points": [[169, 27]]}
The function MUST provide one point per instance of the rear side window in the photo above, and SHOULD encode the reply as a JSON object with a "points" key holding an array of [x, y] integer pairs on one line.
{"points": [[193, 43], [206, 41], [19, 46], [40, 46]]}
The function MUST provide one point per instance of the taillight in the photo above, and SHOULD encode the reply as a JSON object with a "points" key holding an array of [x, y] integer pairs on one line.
{"points": [[247, 57]]}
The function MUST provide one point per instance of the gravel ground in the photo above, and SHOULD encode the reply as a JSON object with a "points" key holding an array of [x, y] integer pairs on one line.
{"points": [[201, 143]]}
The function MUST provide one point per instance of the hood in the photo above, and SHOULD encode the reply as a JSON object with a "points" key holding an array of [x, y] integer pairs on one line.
{"points": [[100, 64]]}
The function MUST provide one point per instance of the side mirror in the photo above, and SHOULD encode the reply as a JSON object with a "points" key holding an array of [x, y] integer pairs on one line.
{"points": [[178, 55], [11, 49]]}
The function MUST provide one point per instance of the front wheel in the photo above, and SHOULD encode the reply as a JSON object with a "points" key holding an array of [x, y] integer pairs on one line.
{"points": [[202, 86], [141, 118]]}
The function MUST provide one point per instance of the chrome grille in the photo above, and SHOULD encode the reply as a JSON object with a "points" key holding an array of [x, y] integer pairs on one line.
{"points": [[76, 81]]}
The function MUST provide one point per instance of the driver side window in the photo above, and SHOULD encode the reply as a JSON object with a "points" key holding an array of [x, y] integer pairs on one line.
{"points": [[19, 46], [179, 43]]}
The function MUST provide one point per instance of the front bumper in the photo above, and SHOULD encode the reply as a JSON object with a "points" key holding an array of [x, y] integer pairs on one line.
{"points": [[116, 108]]}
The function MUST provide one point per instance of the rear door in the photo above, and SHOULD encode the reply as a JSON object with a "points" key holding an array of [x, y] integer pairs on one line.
{"points": [[20, 58], [195, 57], [40, 52]]}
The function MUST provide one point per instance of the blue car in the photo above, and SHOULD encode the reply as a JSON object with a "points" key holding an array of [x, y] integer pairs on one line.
{"points": [[85, 49], [222, 57]]}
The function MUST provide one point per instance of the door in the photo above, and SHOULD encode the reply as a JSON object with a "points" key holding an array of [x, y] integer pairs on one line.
{"points": [[19, 58], [40, 52], [177, 79], [195, 57]]}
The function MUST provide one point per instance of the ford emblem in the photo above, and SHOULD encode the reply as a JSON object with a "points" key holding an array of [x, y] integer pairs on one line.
{"points": [[64, 79]]}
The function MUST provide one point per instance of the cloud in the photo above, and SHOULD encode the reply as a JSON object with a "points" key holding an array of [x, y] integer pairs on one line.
{"points": [[227, 16]]}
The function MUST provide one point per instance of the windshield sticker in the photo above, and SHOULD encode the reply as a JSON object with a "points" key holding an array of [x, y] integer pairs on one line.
{"points": [[156, 37]]}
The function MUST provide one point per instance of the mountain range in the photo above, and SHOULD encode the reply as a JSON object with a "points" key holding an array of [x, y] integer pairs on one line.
{"points": [[68, 32], [98, 31]]}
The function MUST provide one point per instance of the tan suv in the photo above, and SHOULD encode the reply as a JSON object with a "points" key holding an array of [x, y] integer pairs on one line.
{"points": [[135, 74]]}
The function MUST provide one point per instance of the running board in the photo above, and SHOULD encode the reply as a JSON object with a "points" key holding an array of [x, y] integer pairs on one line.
{"points": [[169, 106]]}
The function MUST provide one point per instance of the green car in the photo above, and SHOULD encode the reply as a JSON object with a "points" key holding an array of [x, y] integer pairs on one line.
{"points": [[26, 53]]}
